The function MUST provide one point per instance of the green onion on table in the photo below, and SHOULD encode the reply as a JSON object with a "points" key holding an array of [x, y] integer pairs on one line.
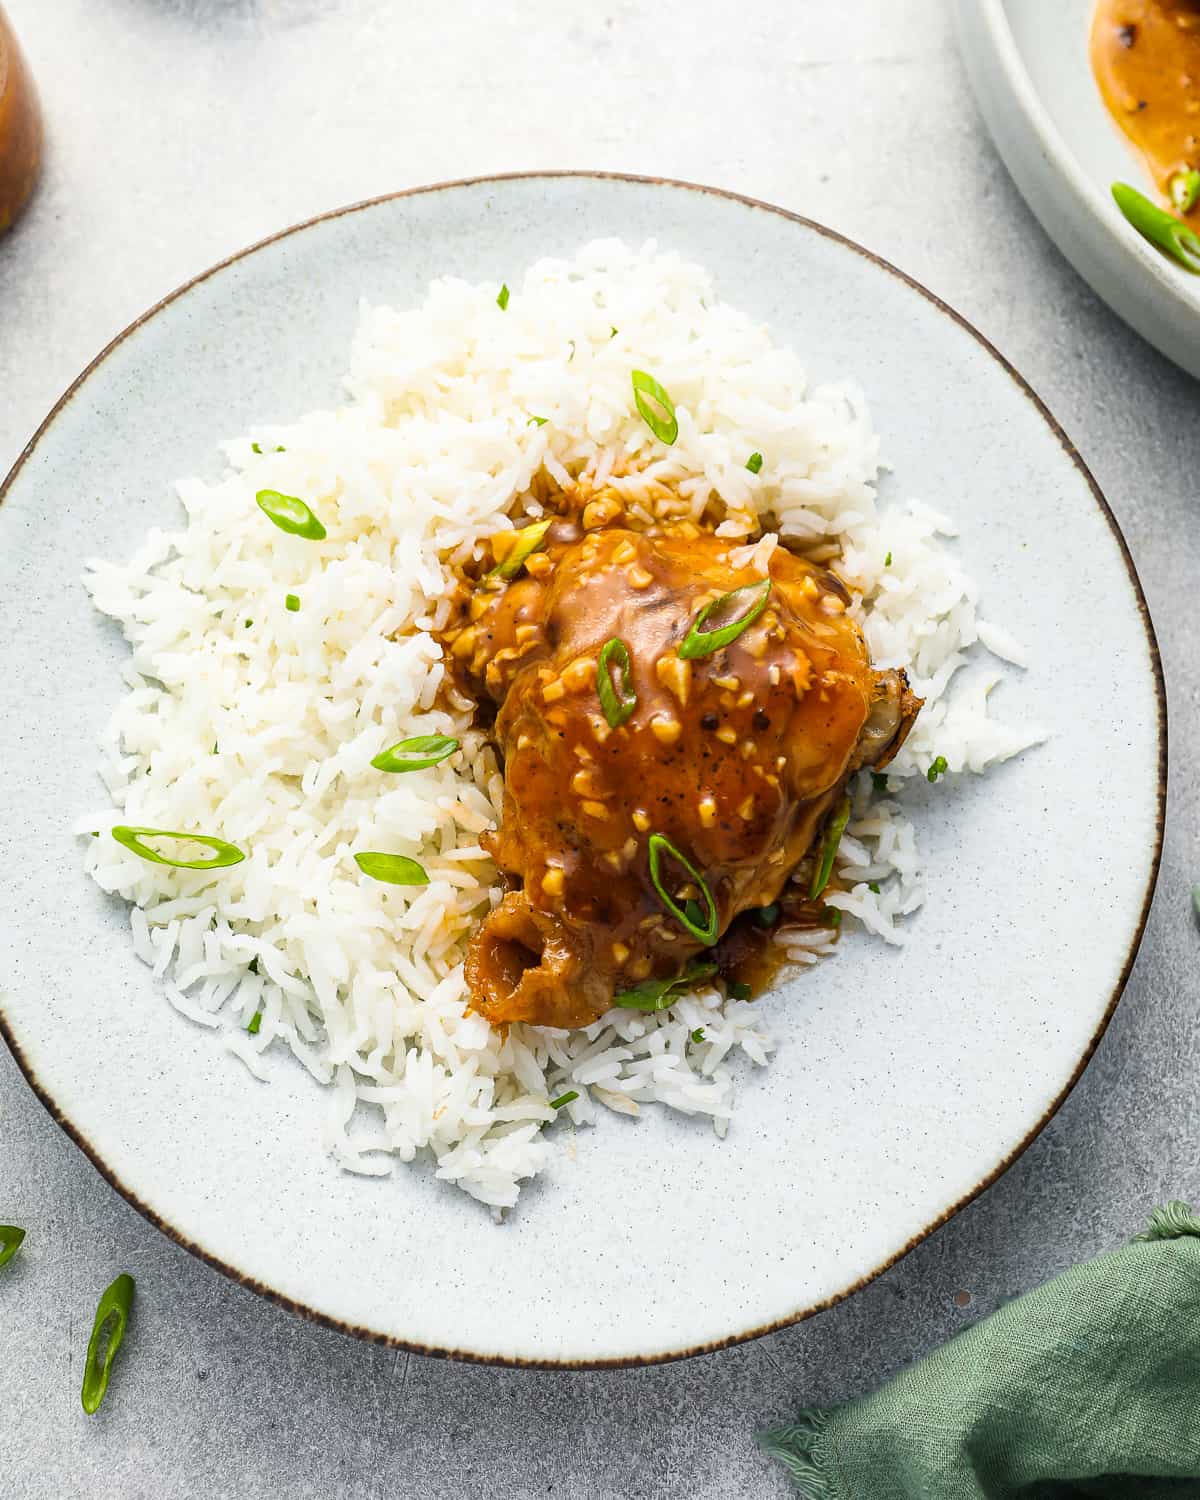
{"points": [[108, 1330], [10, 1242]]}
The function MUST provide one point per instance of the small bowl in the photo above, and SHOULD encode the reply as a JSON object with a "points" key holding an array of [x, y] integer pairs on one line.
{"points": [[1029, 66]]}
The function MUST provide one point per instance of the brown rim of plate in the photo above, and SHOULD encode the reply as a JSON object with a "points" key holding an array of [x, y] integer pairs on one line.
{"points": [[633, 1361]]}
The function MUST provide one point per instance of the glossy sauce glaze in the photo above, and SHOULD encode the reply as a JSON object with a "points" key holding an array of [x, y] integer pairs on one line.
{"points": [[735, 757], [1146, 58]]}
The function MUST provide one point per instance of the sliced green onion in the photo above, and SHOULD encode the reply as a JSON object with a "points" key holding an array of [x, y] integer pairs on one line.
{"points": [[656, 994], [693, 911], [665, 429], [291, 602], [254, 448], [697, 1036], [706, 934], [616, 708], [568, 1098], [112, 1315], [571, 356], [529, 541], [537, 421], [502, 297], [255, 1021], [879, 781], [253, 965], [613, 334], [10, 1242], [249, 623], [887, 562], [736, 990], [701, 642], [873, 887], [754, 463], [938, 768], [416, 754], [829, 849], [1158, 226], [224, 854], [392, 869], [290, 514], [833, 916], [765, 916], [1185, 190], [279, 448]]}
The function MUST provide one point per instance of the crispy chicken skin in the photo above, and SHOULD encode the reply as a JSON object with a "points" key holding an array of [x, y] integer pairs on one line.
{"points": [[736, 757]]}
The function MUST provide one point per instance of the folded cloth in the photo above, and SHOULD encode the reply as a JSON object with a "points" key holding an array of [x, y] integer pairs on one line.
{"points": [[1089, 1386]]}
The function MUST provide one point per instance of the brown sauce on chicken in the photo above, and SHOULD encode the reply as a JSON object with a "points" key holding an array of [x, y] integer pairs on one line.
{"points": [[1146, 58], [735, 758]]}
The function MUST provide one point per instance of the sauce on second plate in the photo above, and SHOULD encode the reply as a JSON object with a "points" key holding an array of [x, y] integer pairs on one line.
{"points": [[1146, 58]]}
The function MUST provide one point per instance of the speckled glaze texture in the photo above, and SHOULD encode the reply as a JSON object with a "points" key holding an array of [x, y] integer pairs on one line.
{"points": [[1028, 63], [904, 1079]]}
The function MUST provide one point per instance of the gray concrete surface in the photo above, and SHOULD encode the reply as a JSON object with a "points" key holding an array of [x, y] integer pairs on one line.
{"points": [[181, 130]]}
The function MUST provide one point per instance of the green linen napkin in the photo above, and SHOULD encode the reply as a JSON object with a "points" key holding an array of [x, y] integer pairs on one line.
{"points": [[1089, 1386]]}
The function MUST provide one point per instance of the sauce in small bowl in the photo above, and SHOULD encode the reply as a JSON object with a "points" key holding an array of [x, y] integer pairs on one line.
{"points": [[1146, 58]]}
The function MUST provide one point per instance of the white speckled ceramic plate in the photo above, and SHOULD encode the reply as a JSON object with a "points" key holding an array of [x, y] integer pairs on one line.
{"points": [[905, 1081], [1029, 66]]}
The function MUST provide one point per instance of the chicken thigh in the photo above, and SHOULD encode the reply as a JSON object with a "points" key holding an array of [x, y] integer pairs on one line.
{"points": [[655, 788]]}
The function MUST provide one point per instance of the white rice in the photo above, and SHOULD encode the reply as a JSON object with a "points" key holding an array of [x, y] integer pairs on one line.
{"points": [[259, 724]]}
